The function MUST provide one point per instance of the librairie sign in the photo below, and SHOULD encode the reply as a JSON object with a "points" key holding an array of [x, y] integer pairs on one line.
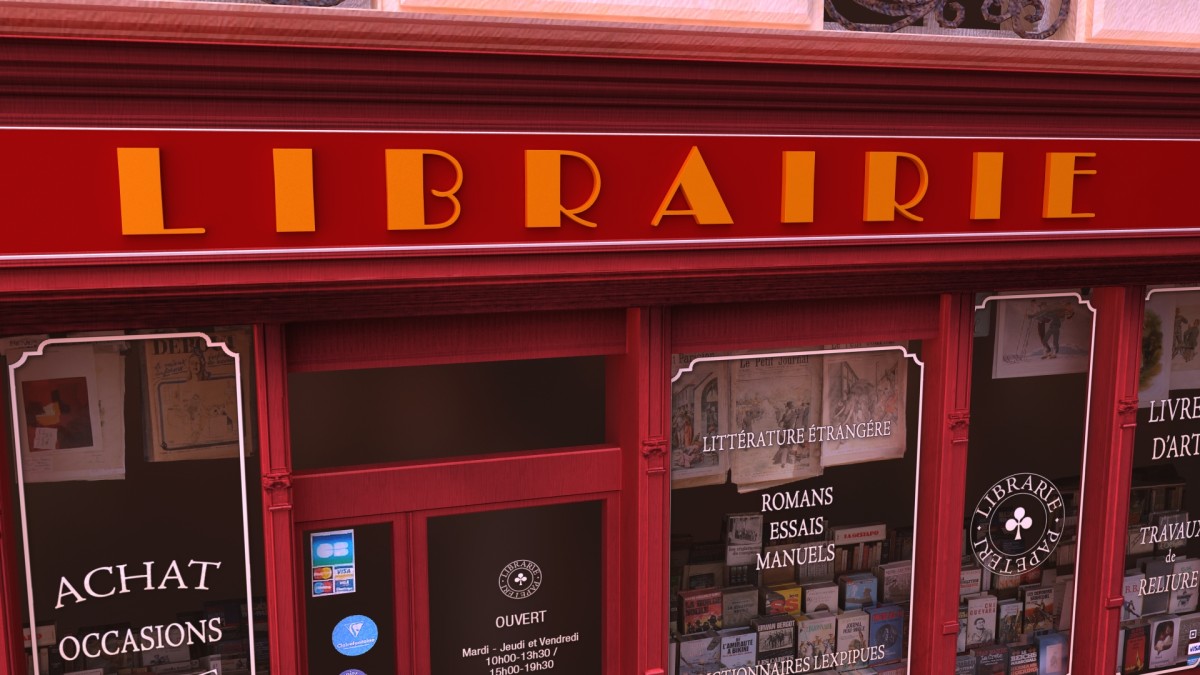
{"points": [[69, 193]]}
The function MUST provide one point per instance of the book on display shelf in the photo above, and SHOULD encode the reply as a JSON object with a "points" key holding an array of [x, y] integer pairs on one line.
{"points": [[739, 647], [1131, 609], [887, 632], [970, 581], [991, 660], [1052, 653], [1137, 544], [1006, 586], [776, 636], [1156, 603], [981, 620], [701, 610], [962, 627], [699, 654], [703, 575], [781, 599], [739, 605], [743, 538], [1136, 648], [853, 632], [816, 634], [1023, 660], [814, 570], [1169, 522], [781, 573], [964, 664], [1038, 608], [1009, 621], [1184, 599], [1164, 631], [895, 581], [858, 590], [820, 597]]}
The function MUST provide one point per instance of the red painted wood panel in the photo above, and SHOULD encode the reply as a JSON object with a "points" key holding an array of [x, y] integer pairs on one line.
{"points": [[1103, 521], [638, 400], [757, 325], [275, 482], [12, 656], [944, 423], [338, 345], [474, 481]]}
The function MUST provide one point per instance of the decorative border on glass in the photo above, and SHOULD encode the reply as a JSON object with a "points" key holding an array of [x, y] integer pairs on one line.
{"points": [[820, 428], [1050, 340], [1159, 379], [19, 446]]}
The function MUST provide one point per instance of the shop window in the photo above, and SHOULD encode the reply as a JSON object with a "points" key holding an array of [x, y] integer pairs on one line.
{"points": [[1029, 398], [1160, 624], [376, 415], [792, 508], [142, 544]]}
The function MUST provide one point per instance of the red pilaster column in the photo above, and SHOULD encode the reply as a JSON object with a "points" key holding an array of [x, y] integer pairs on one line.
{"points": [[638, 404], [944, 424], [12, 654], [1111, 424], [278, 525]]}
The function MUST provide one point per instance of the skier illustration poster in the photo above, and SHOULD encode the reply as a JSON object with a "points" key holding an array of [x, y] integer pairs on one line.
{"points": [[1045, 335]]}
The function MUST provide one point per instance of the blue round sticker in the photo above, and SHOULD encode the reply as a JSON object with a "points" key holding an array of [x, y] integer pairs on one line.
{"points": [[353, 671], [355, 635]]}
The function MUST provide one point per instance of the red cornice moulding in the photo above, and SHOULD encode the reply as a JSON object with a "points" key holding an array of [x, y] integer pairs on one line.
{"points": [[247, 24]]}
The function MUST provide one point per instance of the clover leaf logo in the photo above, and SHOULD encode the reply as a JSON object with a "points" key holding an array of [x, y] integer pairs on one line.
{"points": [[1019, 522]]}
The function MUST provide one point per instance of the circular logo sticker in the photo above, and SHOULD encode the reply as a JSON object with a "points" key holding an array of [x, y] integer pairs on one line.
{"points": [[520, 579], [355, 635], [1017, 524], [353, 671]]}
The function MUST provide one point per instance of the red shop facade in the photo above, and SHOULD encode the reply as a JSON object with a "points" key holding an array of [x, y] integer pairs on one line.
{"points": [[368, 361]]}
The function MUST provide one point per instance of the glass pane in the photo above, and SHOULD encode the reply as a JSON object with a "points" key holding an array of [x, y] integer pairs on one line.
{"points": [[349, 599], [354, 417], [1029, 396], [517, 591], [143, 547], [792, 510], [1160, 627]]}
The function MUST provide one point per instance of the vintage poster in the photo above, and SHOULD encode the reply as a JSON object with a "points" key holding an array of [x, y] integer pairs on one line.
{"points": [[71, 414], [1182, 325], [1154, 380], [191, 395], [864, 407], [776, 401], [699, 408], [1049, 335]]}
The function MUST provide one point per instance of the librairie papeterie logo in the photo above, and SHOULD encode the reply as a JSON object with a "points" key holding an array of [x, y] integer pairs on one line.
{"points": [[1017, 524], [520, 579]]}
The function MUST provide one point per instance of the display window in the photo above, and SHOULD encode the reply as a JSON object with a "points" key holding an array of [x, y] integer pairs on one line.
{"points": [[1030, 389], [793, 497], [140, 540], [1159, 625]]}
